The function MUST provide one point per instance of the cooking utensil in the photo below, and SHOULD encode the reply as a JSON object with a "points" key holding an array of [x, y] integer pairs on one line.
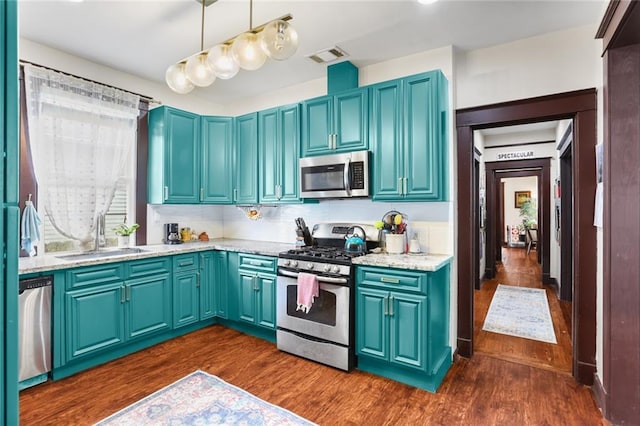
{"points": [[355, 240]]}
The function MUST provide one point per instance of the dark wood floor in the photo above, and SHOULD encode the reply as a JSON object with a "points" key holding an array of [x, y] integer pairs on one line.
{"points": [[478, 391], [519, 269]]}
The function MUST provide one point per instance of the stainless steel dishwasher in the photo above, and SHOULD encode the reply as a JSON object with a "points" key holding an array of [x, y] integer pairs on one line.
{"points": [[34, 330]]}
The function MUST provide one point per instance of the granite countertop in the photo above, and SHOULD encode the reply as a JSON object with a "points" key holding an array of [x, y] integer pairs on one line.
{"points": [[27, 265], [418, 261]]}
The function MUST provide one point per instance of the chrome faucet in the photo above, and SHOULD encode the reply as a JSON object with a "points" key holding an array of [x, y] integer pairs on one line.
{"points": [[100, 240]]}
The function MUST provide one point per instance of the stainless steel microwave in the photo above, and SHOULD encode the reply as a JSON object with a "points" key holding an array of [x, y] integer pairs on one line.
{"points": [[343, 175]]}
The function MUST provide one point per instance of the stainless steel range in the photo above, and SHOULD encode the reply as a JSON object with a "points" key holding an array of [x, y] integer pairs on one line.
{"points": [[326, 333]]}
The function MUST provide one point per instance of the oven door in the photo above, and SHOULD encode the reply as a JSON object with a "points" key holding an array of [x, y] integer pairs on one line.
{"points": [[328, 318]]}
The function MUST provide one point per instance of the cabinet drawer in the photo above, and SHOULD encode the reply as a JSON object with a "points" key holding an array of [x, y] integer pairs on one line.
{"points": [[185, 262], [153, 266], [94, 275], [255, 262], [392, 279]]}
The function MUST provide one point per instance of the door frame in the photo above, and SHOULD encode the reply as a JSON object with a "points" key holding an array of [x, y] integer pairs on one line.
{"points": [[495, 172], [580, 106]]}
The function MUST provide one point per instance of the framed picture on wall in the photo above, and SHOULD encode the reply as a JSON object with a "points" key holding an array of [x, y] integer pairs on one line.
{"points": [[522, 197]]}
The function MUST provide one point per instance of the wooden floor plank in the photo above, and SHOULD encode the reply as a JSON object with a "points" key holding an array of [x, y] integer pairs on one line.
{"points": [[519, 269], [478, 391]]}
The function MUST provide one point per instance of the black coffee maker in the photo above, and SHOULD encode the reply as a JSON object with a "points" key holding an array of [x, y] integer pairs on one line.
{"points": [[172, 234]]}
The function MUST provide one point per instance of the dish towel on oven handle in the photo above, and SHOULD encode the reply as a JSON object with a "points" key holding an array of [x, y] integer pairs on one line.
{"points": [[308, 288]]}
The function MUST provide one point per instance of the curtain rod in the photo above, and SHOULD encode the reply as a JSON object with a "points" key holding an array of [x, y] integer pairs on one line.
{"points": [[147, 98]]}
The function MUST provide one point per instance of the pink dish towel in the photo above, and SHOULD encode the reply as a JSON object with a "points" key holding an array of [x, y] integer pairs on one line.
{"points": [[308, 288]]}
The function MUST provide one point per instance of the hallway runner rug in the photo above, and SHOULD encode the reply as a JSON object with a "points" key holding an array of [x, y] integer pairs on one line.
{"points": [[203, 399], [521, 312]]}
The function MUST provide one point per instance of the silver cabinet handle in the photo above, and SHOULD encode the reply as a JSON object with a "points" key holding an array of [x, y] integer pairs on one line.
{"points": [[385, 304], [255, 283], [330, 141], [335, 141], [400, 186], [122, 297], [390, 280], [166, 193], [235, 194], [391, 301], [197, 279], [278, 192], [201, 194], [404, 189], [128, 293]]}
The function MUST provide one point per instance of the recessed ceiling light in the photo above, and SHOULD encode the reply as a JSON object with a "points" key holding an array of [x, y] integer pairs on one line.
{"points": [[427, 1]]}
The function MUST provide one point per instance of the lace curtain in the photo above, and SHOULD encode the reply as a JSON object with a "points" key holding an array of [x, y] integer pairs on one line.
{"points": [[82, 136]]}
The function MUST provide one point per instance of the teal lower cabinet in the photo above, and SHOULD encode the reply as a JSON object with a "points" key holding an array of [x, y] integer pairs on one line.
{"points": [[252, 294], [94, 319], [402, 324], [220, 283], [106, 311]]}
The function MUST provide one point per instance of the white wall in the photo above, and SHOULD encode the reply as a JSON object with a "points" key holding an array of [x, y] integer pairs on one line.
{"points": [[56, 59], [511, 185], [551, 63]]}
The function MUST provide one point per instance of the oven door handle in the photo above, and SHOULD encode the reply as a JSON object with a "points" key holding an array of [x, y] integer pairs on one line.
{"points": [[321, 279]]}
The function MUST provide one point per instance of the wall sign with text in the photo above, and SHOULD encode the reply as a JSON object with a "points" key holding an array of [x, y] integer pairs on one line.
{"points": [[517, 155]]}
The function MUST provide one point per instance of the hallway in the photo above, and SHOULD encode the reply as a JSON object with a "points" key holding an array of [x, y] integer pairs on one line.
{"points": [[519, 269]]}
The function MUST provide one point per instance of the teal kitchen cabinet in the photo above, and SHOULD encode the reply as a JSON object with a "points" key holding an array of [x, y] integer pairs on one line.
{"points": [[217, 160], [279, 141], [186, 280], [147, 298], [220, 284], [246, 159], [335, 123], [402, 324], [256, 296], [213, 284], [107, 305], [408, 135], [174, 156]]}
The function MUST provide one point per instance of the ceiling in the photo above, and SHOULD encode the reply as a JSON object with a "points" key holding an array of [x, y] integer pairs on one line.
{"points": [[144, 37]]}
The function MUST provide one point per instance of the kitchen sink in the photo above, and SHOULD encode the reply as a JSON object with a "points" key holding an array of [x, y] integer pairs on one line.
{"points": [[101, 254]]}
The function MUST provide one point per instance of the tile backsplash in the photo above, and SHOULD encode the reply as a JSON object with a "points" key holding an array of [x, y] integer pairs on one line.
{"points": [[430, 221]]}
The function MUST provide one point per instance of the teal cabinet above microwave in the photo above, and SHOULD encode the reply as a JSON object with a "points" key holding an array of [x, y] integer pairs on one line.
{"points": [[335, 123]]}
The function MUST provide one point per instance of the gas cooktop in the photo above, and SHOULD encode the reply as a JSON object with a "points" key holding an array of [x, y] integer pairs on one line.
{"points": [[321, 254]]}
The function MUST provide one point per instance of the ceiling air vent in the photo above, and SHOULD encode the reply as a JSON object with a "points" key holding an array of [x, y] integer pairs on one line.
{"points": [[328, 55]]}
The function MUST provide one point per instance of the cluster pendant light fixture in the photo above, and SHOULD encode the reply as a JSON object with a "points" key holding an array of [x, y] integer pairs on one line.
{"points": [[277, 40]]}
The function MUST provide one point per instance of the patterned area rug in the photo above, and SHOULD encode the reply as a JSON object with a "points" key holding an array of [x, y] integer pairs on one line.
{"points": [[203, 399], [521, 312]]}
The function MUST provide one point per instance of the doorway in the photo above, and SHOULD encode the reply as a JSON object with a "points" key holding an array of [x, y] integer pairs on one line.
{"points": [[580, 106]]}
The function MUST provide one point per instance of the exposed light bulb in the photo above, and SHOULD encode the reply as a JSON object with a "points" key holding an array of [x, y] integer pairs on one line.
{"points": [[279, 40], [199, 71], [221, 61], [177, 80], [247, 51]]}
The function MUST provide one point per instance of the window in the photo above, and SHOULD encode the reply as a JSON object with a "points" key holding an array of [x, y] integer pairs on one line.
{"points": [[82, 139], [122, 208]]}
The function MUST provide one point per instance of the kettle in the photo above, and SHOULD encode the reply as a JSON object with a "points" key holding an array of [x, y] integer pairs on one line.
{"points": [[355, 240]]}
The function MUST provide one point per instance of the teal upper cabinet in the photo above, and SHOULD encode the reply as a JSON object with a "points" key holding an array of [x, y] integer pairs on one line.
{"points": [[174, 156], [336, 123], [409, 138], [217, 160], [279, 139], [246, 159]]}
